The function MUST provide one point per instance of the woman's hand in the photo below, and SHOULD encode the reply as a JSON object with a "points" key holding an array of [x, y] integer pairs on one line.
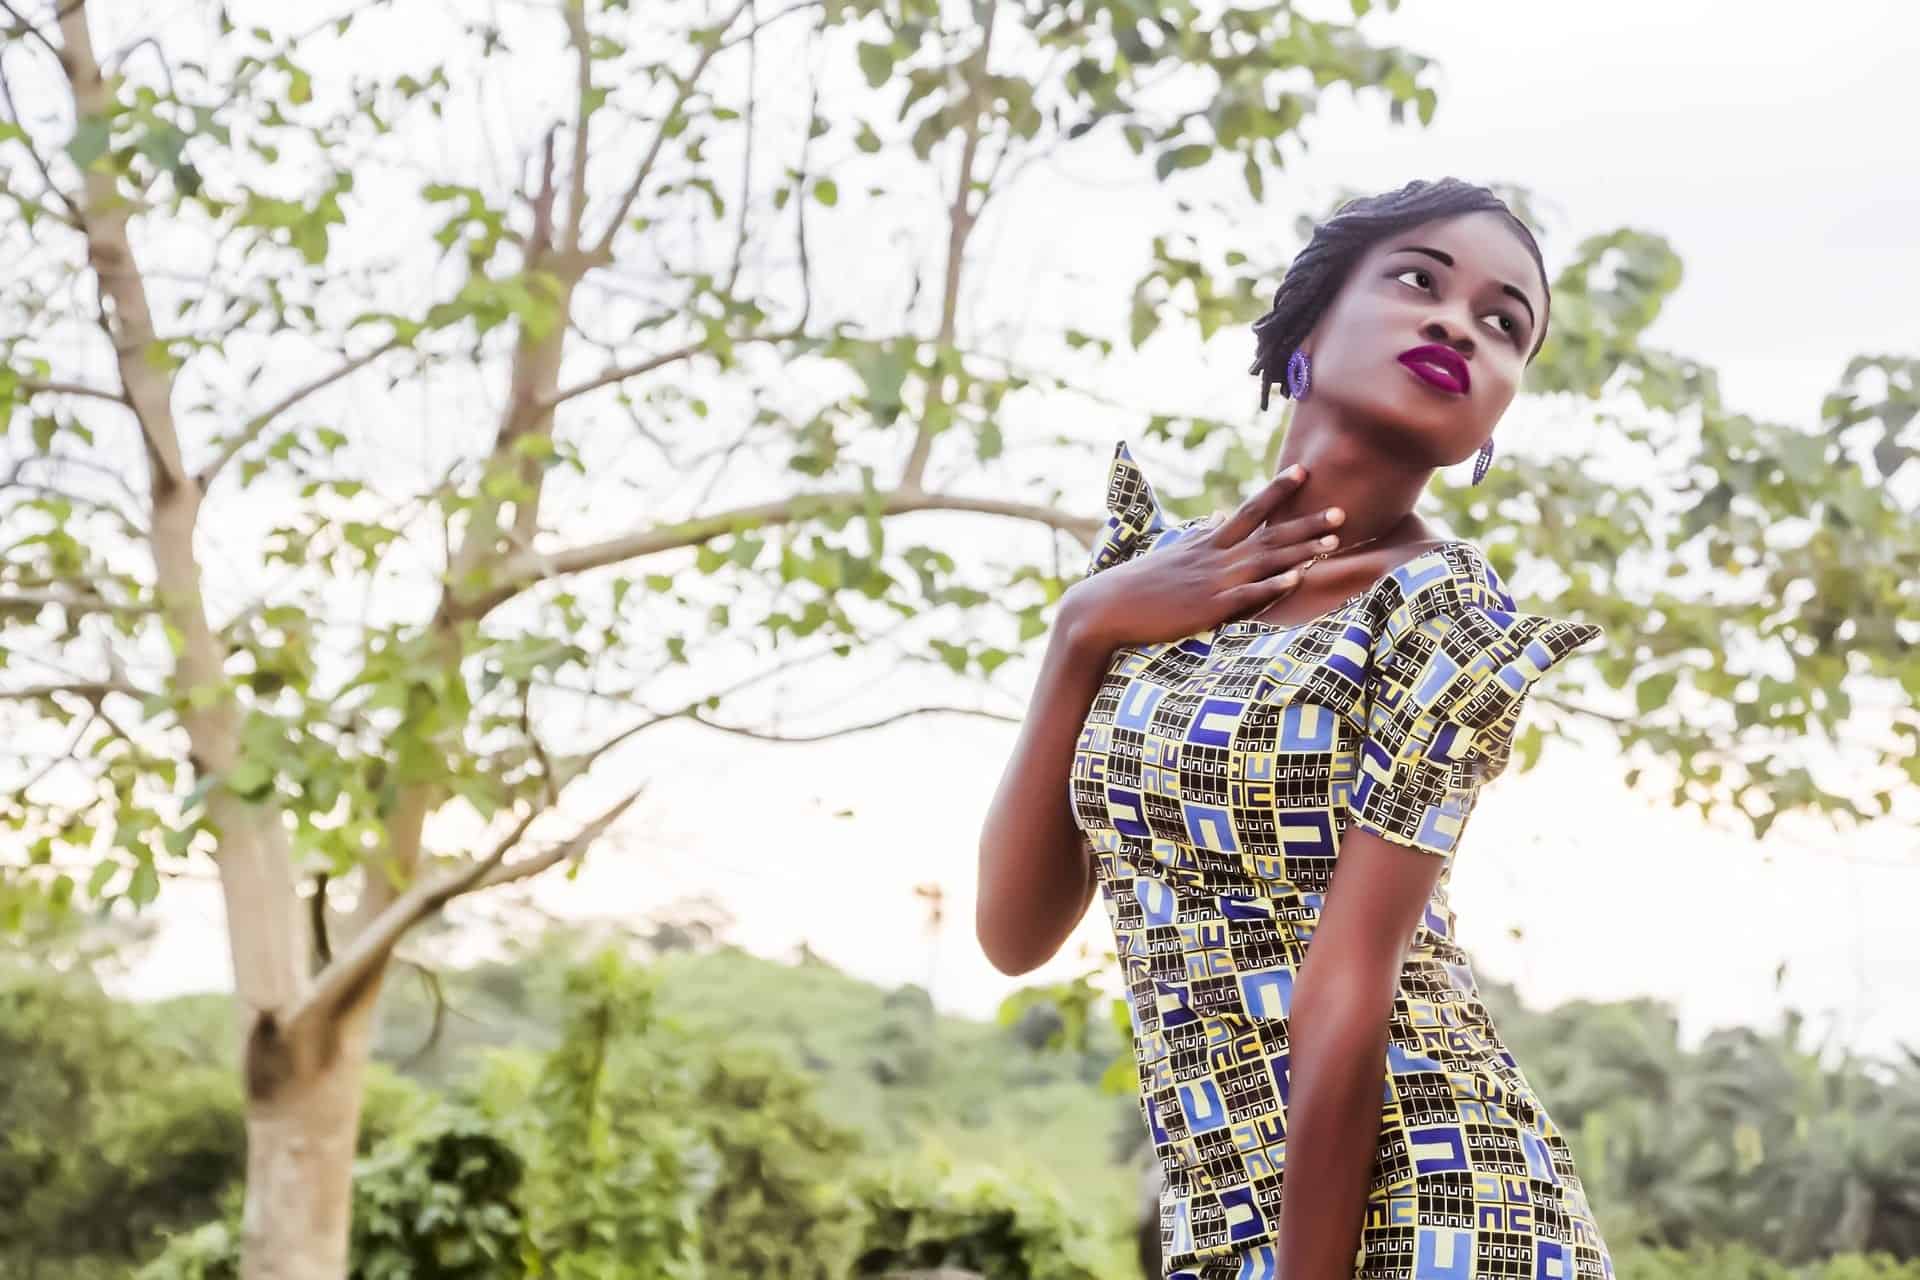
{"points": [[1233, 570]]}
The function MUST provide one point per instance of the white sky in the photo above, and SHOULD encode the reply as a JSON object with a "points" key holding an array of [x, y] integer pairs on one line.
{"points": [[1762, 145]]}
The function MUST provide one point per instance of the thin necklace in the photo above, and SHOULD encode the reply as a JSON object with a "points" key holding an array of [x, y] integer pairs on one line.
{"points": [[1351, 546]]}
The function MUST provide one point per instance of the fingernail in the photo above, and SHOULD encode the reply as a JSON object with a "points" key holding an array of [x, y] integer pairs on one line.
{"points": [[1329, 541], [1292, 473]]}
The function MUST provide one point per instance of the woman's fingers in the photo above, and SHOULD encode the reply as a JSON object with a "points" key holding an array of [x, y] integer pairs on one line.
{"points": [[1251, 597], [1254, 511], [1310, 530]]}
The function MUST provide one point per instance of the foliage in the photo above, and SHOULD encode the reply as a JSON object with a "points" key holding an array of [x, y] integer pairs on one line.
{"points": [[658, 1151], [931, 1213], [620, 1174], [1796, 1149], [209, 1252], [1741, 1262], [1730, 1161], [107, 1133], [816, 1033], [437, 1203], [442, 1204], [1789, 1149], [779, 1208]]}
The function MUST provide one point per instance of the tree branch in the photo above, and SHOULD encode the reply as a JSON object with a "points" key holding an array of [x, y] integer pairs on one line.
{"points": [[527, 868], [37, 386], [21, 27], [576, 17], [604, 246], [370, 948], [104, 218], [586, 759], [620, 373], [317, 908], [760, 26], [92, 690], [746, 160], [262, 420], [73, 217], [524, 569], [881, 723], [961, 218], [431, 980], [87, 603]]}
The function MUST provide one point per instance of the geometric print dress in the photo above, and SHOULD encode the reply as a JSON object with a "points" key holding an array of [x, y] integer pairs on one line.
{"points": [[1213, 779]]}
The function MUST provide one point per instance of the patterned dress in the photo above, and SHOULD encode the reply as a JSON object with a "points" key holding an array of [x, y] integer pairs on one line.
{"points": [[1213, 779]]}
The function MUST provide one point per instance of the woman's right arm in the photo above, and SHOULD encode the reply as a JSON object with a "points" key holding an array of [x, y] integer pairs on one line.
{"points": [[1036, 873], [1036, 869]]}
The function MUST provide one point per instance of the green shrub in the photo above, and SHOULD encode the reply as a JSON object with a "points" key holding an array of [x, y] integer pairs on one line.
{"points": [[437, 1203], [928, 1213]]}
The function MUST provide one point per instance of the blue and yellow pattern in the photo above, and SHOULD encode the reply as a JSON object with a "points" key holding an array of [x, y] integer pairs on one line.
{"points": [[1213, 779]]}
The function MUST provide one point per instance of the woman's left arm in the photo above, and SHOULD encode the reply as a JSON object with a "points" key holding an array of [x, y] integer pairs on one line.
{"points": [[1337, 1047]]}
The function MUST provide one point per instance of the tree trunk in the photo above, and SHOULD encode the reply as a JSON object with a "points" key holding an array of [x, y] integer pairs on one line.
{"points": [[303, 1125]]}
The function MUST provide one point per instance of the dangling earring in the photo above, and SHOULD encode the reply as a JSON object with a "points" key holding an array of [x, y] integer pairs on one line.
{"points": [[1299, 374], [1481, 463]]}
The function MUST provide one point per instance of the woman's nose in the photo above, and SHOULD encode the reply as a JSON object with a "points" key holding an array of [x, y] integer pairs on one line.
{"points": [[1437, 331]]}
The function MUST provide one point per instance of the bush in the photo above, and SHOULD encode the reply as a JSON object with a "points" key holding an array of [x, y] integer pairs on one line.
{"points": [[437, 1203], [929, 1214], [108, 1134]]}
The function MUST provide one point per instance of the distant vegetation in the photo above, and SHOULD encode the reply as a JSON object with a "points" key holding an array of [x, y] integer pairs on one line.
{"points": [[704, 1112]]}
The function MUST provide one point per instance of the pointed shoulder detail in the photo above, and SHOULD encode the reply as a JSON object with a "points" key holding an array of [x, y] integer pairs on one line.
{"points": [[1456, 644], [1135, 517]]}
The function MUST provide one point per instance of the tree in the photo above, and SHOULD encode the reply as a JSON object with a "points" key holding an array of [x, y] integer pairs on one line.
{"points": [[258, 616], [225, 213]]}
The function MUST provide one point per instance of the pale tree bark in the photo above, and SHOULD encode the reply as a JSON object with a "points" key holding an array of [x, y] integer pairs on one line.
{"points": [[303, 1097]]}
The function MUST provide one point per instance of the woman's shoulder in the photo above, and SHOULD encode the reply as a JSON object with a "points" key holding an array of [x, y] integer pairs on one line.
{"points": [[1453, 589], [1451, 574]]}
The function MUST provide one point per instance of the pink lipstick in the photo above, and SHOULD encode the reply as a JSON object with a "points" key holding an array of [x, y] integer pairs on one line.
{"points": [[1439, 366]]}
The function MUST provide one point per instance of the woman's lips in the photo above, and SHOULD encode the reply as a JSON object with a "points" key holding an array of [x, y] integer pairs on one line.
{"points": [[1443, 369]]}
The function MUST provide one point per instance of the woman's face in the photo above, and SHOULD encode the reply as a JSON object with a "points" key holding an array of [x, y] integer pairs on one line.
{"points": [[1463, 283]]}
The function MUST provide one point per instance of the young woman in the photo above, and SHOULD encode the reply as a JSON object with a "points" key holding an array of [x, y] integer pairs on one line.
{"points": [[1260, 739]]}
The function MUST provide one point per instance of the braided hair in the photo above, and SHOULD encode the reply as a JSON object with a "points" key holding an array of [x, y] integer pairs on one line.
{"points": [[1320, 269]]}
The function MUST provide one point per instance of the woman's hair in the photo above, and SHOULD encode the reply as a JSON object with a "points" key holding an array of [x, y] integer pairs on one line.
{"points": [[1316, 275]]}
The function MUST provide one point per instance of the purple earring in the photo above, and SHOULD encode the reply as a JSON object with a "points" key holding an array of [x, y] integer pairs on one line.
{"points": [[1483, 461], [1299, 374]]}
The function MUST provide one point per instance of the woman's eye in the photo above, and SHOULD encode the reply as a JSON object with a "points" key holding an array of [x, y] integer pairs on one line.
{"points": [[1512, 328]]}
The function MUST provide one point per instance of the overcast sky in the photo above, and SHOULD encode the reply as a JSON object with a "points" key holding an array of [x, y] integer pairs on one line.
{"points": [[1764, 141]]}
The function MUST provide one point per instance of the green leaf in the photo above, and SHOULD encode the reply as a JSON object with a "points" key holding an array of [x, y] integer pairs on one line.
{"points": [[1654, 690], [89, 141], [876, 61], [145, 885], [1191, 156], [102, 875], [249, 779], [1145, 319]]}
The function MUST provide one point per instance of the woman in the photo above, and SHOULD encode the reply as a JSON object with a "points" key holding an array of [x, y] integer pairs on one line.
{"points": [[1252, 734]]}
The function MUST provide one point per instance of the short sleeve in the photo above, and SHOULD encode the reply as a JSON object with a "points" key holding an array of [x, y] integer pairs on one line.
{"points": [[1447, 677], [1135, 521]]}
